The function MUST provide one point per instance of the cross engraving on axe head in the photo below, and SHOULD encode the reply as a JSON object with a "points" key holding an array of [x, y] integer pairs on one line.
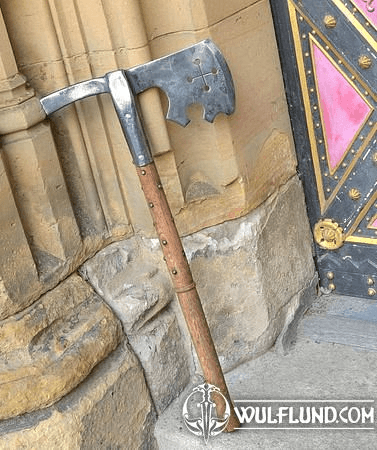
{"points": [[197, 74]]}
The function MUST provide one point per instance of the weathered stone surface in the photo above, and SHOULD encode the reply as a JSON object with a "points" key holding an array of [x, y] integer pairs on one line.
{"points": [[15, 255], [22, 116], [285, 247], [275, 164], [199, 188], [162, 353], [132, 280], [50, 347], [304, 299], [249, 272], [125, 416], [261, 110], [112, 409], [40, 193]]}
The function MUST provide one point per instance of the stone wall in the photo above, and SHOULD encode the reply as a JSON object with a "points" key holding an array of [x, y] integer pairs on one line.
{"points": [[251, 277], [80, 269]]}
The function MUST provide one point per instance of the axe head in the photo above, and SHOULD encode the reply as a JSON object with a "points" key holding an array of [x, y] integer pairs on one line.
{"points": [[197, 74]]}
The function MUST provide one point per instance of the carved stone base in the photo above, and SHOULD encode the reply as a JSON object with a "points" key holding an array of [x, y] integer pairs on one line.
{"points": [[50, 347], [111, 409]]}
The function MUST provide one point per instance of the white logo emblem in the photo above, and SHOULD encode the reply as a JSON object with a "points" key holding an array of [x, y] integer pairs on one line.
{"points": [[204, 423]]}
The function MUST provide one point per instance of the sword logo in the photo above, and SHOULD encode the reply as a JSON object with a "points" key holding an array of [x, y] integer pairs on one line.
{"points": [[208, 424]]}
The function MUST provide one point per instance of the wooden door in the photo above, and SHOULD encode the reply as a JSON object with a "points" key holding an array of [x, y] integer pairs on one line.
{"points": [[329, 60]]}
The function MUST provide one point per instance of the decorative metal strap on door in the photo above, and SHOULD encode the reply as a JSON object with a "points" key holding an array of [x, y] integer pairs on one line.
{"points": [[336, 63]]}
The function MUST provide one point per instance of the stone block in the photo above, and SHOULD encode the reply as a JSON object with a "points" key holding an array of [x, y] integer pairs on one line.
{"points": [[15, 256], [249, 272], [111, 409], [217, 11], [21, 116], [211, 144], [127, 26], [304, 300], [132, 280], [273, 166], [50, 347], [285, 247], [162, 352], [169, 17], [260, 126], [95, 125], [8, 66], [199, 188], [41, 196]]}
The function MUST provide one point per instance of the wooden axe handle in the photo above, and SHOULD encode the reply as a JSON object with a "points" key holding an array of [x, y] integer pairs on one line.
{"points": [[184, 285]]}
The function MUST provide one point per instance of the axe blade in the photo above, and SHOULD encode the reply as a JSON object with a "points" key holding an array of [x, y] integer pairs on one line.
{"points": [[197, 74]]}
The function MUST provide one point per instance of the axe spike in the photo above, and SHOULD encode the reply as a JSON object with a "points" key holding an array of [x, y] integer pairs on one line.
{"points": [[64, 97]]}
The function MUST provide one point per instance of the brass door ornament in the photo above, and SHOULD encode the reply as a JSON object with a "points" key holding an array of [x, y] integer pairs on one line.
{"points": [[365, 62], [330, 21], [328, 234]]}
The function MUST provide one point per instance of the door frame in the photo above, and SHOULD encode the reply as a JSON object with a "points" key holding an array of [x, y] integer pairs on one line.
{"points": [[296, 108], [354, 283]]}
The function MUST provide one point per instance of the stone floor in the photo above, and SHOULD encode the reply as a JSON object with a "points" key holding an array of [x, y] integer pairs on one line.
{"points": [[333, 358]]}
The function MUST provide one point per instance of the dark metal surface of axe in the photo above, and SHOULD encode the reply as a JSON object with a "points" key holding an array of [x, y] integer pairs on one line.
{"points": [[197, 74]]}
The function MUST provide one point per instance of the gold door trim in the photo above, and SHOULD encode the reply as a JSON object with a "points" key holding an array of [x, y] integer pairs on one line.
{"points": [[350, 82], [324, 204], [347, 13]]}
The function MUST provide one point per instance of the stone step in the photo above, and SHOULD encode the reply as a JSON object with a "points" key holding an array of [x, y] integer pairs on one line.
{"points": [[342, 320], [317, 367]]}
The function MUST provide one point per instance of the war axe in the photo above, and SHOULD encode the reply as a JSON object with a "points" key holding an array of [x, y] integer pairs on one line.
{"points": [[197, 74]]}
